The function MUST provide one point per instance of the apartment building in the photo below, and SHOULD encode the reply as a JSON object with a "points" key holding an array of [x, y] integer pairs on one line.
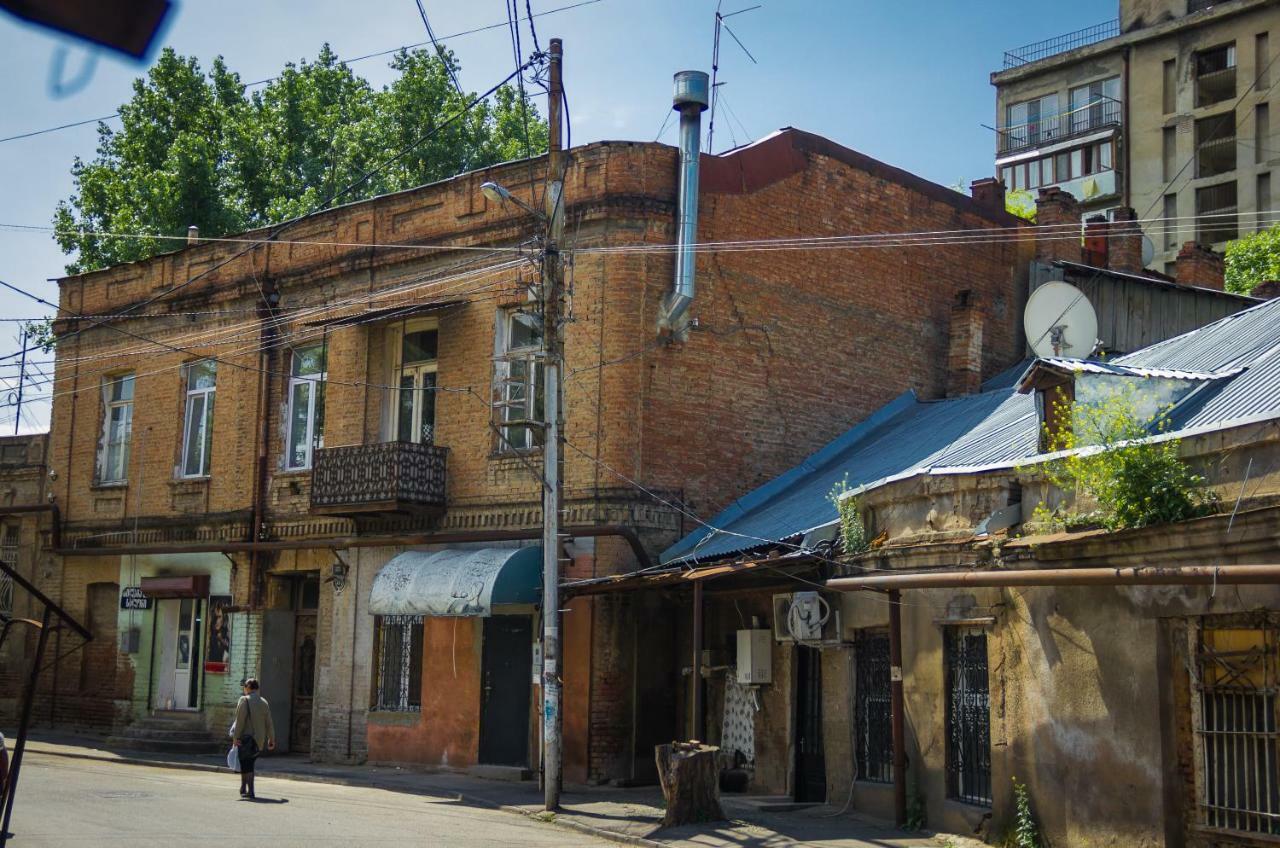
{"points": [[1166, 109]]}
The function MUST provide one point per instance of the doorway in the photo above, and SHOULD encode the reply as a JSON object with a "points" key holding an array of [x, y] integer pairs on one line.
{"points": [[504, 698], [305, 603], [811, 764], [177, 636], [416, 405]]}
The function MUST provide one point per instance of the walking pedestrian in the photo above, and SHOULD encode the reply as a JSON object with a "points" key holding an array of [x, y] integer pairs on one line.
{"points": [[253, 731]]}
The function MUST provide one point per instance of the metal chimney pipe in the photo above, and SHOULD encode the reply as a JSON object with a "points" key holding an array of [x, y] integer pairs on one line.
{"points": [[691, 98], [193, 234]]}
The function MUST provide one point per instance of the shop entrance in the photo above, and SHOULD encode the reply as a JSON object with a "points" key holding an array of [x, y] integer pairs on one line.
{"points": [[504, 705], [178, 639]]}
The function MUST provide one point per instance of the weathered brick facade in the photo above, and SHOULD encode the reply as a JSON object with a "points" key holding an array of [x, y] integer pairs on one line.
{"points": [[757, 385]]}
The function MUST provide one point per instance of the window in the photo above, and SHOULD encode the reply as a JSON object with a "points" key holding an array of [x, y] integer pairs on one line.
{"points": [[1216, 219], [1169, 153], [415, 416], [1170, 86], [197, 439], [1262, 198], [1234, 715], [13, 454], [1261, 59], [1216, 144], [1171, 223], [9, 556], [1215, 75], [398, 660], [1095, 105], [968, 715], [1261, 133], [117, 426], [1031, 121], [874, 740], [306, 406], [518, 380]]}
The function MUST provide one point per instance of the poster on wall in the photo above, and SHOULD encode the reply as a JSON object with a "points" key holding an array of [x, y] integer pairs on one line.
{"points": [[218, 654]]}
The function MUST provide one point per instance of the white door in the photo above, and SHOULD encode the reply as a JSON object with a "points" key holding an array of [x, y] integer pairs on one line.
{"points": [[185, 655], [177, 632], [166, 648]]}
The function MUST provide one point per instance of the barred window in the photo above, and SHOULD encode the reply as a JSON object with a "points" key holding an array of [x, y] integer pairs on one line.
{"points": [[9, 556], [968, 716], [398, 660], [1235, 720], [874, 752]]}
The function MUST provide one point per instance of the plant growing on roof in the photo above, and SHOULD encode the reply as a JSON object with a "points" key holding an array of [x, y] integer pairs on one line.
{"points": [[1136, 480], [853, 535]]}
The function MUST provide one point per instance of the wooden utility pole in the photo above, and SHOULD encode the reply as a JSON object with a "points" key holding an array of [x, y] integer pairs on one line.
{"points": [[553, 346]]}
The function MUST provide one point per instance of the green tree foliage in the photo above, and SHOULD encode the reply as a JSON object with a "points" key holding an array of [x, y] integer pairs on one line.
{"points": [[1253, 259], [197, 148], [853, 535], [1135, 480], [1022, 203]]}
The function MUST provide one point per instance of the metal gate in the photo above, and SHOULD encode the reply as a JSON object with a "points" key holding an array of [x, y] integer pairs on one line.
{"points": [[968, 716], [874, 754]]}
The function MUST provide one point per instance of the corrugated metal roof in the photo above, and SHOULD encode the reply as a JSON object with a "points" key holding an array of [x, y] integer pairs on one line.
{"points": [[994, 429], [1091, 366]]}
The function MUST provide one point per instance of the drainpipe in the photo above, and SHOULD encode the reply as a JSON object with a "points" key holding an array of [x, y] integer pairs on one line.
{"points": [[691, 97], [897, 703]]}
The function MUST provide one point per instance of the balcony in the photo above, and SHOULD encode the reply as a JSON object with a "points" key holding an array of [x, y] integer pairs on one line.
{"points": [[384, 477], [1056, 128], [1038, 50]]}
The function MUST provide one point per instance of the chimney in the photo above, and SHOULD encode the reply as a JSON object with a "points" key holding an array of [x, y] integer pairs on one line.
{"points": [[1057, 209], [1198, 265], [690, 100], [964, 354], [1096, 243], [193, 235], [988, 193], [1267, 290], [1124, 249]]}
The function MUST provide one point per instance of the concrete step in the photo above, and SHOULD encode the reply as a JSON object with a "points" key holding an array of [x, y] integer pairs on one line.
{"points": [[514, 774], [160, 734], [162, 746]]}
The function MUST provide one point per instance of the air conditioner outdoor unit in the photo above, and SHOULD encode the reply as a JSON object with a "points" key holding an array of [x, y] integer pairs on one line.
{"points": [[806, 617]]}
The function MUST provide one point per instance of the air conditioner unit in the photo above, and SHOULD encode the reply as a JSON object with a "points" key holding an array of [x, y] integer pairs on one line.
{"points": [[806, 617]]}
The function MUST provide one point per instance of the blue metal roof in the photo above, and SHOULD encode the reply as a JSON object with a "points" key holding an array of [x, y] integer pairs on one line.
{"points": [[997, 428]]}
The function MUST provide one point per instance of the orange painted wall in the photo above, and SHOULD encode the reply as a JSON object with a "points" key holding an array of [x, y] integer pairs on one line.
{"points": [[447, 732], [577, 689]]}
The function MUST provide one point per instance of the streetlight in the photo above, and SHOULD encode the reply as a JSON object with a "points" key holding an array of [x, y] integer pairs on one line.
{"points": [[501, 194]]}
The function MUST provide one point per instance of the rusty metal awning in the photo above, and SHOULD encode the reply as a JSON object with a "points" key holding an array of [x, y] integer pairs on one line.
{"points": [[184, 586], [677, 577], [397, 312]]}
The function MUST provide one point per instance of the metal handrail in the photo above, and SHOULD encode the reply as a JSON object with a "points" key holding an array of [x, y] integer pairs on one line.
{"points": [[1064, 125], [1038, 50]]}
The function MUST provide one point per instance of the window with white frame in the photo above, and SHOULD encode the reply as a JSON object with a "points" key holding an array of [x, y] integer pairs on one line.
{"points": [[197, 427], [518, 393], [1234, 715], [415, 406], [1031, 121], [9, 556], [398, 661], [117, 428], [305, 414], [1096, 104]]}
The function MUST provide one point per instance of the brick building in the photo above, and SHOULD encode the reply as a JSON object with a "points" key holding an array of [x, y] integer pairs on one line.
{"points": [[281, 446]]}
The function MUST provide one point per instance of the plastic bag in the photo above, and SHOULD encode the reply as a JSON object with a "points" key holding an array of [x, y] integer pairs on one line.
{"points": [[233, 758]]}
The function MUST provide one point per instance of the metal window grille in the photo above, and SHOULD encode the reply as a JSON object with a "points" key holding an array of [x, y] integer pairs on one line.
{"points": [[8, 555], [399, 664], [1237, 730], [968, 716], [872, 707]]}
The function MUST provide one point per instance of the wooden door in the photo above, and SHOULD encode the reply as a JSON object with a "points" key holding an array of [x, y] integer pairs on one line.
{"points": [[304, 682]]}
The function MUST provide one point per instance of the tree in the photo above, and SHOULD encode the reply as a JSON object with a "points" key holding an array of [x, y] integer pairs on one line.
{"points": [[195, 148], [1253, 259]]}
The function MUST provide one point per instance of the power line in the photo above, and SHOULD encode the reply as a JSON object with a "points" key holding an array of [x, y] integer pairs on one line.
{"points": [[448, 66], [362, 58]]}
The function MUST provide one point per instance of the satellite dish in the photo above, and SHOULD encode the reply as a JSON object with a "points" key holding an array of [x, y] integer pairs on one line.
{"points": [[1060, 321], [1148, 251]]}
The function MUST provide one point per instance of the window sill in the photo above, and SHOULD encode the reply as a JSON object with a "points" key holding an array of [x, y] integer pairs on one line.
{"points": [[193, 482], [113, 484], [970, 806], [293, 472], [394, 718], [515, 455], [1243, 836]]}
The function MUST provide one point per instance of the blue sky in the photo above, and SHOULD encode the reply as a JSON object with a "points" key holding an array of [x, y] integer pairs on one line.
{"points": [[905, 82]]}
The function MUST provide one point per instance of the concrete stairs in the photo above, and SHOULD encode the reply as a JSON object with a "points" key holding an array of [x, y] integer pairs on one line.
{"points": [[170, 733]]}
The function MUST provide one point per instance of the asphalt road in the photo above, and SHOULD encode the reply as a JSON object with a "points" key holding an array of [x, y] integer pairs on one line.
{"points": [[66, 802]]}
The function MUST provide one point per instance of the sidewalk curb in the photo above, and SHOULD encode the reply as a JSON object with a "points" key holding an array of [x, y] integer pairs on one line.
{"points": [[556, 820]]}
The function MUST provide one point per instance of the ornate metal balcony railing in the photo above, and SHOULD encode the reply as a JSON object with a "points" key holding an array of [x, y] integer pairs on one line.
{"points": [[384, 477], [1055, 128], [1038, 50]]}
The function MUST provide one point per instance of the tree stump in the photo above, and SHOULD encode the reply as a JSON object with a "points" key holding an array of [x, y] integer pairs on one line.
{"points": [[690, 776]]}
